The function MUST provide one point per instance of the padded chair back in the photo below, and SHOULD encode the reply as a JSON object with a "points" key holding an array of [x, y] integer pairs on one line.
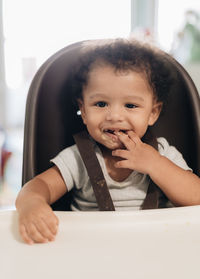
{"points": [[51, 118]]}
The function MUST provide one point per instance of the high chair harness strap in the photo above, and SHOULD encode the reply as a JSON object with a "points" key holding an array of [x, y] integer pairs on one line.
{"points": [[152, 197], [86, 149], [102, 194]]}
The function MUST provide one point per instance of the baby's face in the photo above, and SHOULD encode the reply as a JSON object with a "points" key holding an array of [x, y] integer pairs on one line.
{"points": [[117, 101]]}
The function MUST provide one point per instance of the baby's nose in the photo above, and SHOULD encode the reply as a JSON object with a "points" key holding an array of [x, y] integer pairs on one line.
{"points": [[115, 114]]}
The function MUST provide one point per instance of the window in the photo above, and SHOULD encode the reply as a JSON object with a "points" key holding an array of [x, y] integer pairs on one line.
{"points": [[171, 19], [36, 29]]}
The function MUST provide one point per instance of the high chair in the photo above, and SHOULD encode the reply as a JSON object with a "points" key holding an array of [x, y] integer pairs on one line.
{"points": [[51, 118]]}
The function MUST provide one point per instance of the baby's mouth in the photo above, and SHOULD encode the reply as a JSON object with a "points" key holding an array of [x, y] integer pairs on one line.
{"points": [[113, 134], [114, 131]]}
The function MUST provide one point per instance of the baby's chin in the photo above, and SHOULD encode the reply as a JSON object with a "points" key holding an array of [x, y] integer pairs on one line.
{"points": [[111, 144]]}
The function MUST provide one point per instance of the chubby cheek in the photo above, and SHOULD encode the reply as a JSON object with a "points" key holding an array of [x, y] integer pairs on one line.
{"points": [[91, 124], [142, 133], [140, 128], [92, 119]]}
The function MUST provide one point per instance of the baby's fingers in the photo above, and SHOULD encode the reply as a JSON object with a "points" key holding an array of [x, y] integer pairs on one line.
{"points": [[121, 153], [52, 222], [24, 235], [37, 234], [126, 140], [123, 164], [45, 231], [134, 137], [30, 234]]}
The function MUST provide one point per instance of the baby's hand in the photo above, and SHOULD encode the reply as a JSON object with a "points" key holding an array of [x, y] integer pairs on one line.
{"points": [[37, 222], [138, 156]]}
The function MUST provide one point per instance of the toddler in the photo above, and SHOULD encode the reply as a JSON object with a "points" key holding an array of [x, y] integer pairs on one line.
{"points": [[121, 87]]}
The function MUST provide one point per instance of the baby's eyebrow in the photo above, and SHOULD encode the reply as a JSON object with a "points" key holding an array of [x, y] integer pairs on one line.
{"points": [[135, 98], [97, 95], [128, 98]]}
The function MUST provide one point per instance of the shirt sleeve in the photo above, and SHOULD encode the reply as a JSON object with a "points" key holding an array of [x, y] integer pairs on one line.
{"points": [[70, 166], [172, 154]]}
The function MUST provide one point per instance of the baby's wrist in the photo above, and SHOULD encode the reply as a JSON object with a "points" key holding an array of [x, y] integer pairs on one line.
{"points": [[155, 163]]}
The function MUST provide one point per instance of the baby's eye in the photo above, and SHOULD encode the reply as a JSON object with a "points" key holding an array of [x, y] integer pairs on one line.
{"points": [[101, 104], [130, 106]]}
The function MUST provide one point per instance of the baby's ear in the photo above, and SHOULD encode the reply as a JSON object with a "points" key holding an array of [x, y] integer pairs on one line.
{"points": [[81, 108], [156, 110], [80, 103]]}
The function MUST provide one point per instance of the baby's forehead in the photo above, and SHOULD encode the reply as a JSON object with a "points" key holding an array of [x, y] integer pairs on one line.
{"points": [[102, 68], [102, 72]]}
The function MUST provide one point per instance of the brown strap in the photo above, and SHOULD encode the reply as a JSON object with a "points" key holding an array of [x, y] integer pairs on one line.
{"points": [[95, 173], [152, 197]]}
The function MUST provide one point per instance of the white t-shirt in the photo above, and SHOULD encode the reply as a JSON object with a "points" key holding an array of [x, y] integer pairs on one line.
{"points": [[126, 195]]}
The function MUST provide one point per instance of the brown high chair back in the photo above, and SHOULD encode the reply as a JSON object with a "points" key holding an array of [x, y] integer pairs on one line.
{"points": [[51, 118]]}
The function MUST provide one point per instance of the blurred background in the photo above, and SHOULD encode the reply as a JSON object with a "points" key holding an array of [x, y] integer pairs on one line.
{"points": [[31, 31]]}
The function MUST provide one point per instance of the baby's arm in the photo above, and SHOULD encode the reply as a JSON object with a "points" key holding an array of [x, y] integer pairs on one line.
{"points": [[180, 186], [37, 221]]}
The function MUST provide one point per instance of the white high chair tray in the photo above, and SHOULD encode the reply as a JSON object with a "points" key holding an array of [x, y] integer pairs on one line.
{"points": [[144, 244]]}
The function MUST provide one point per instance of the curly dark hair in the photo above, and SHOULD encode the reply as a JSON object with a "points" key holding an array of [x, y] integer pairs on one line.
{"points": [[124, 55]]}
